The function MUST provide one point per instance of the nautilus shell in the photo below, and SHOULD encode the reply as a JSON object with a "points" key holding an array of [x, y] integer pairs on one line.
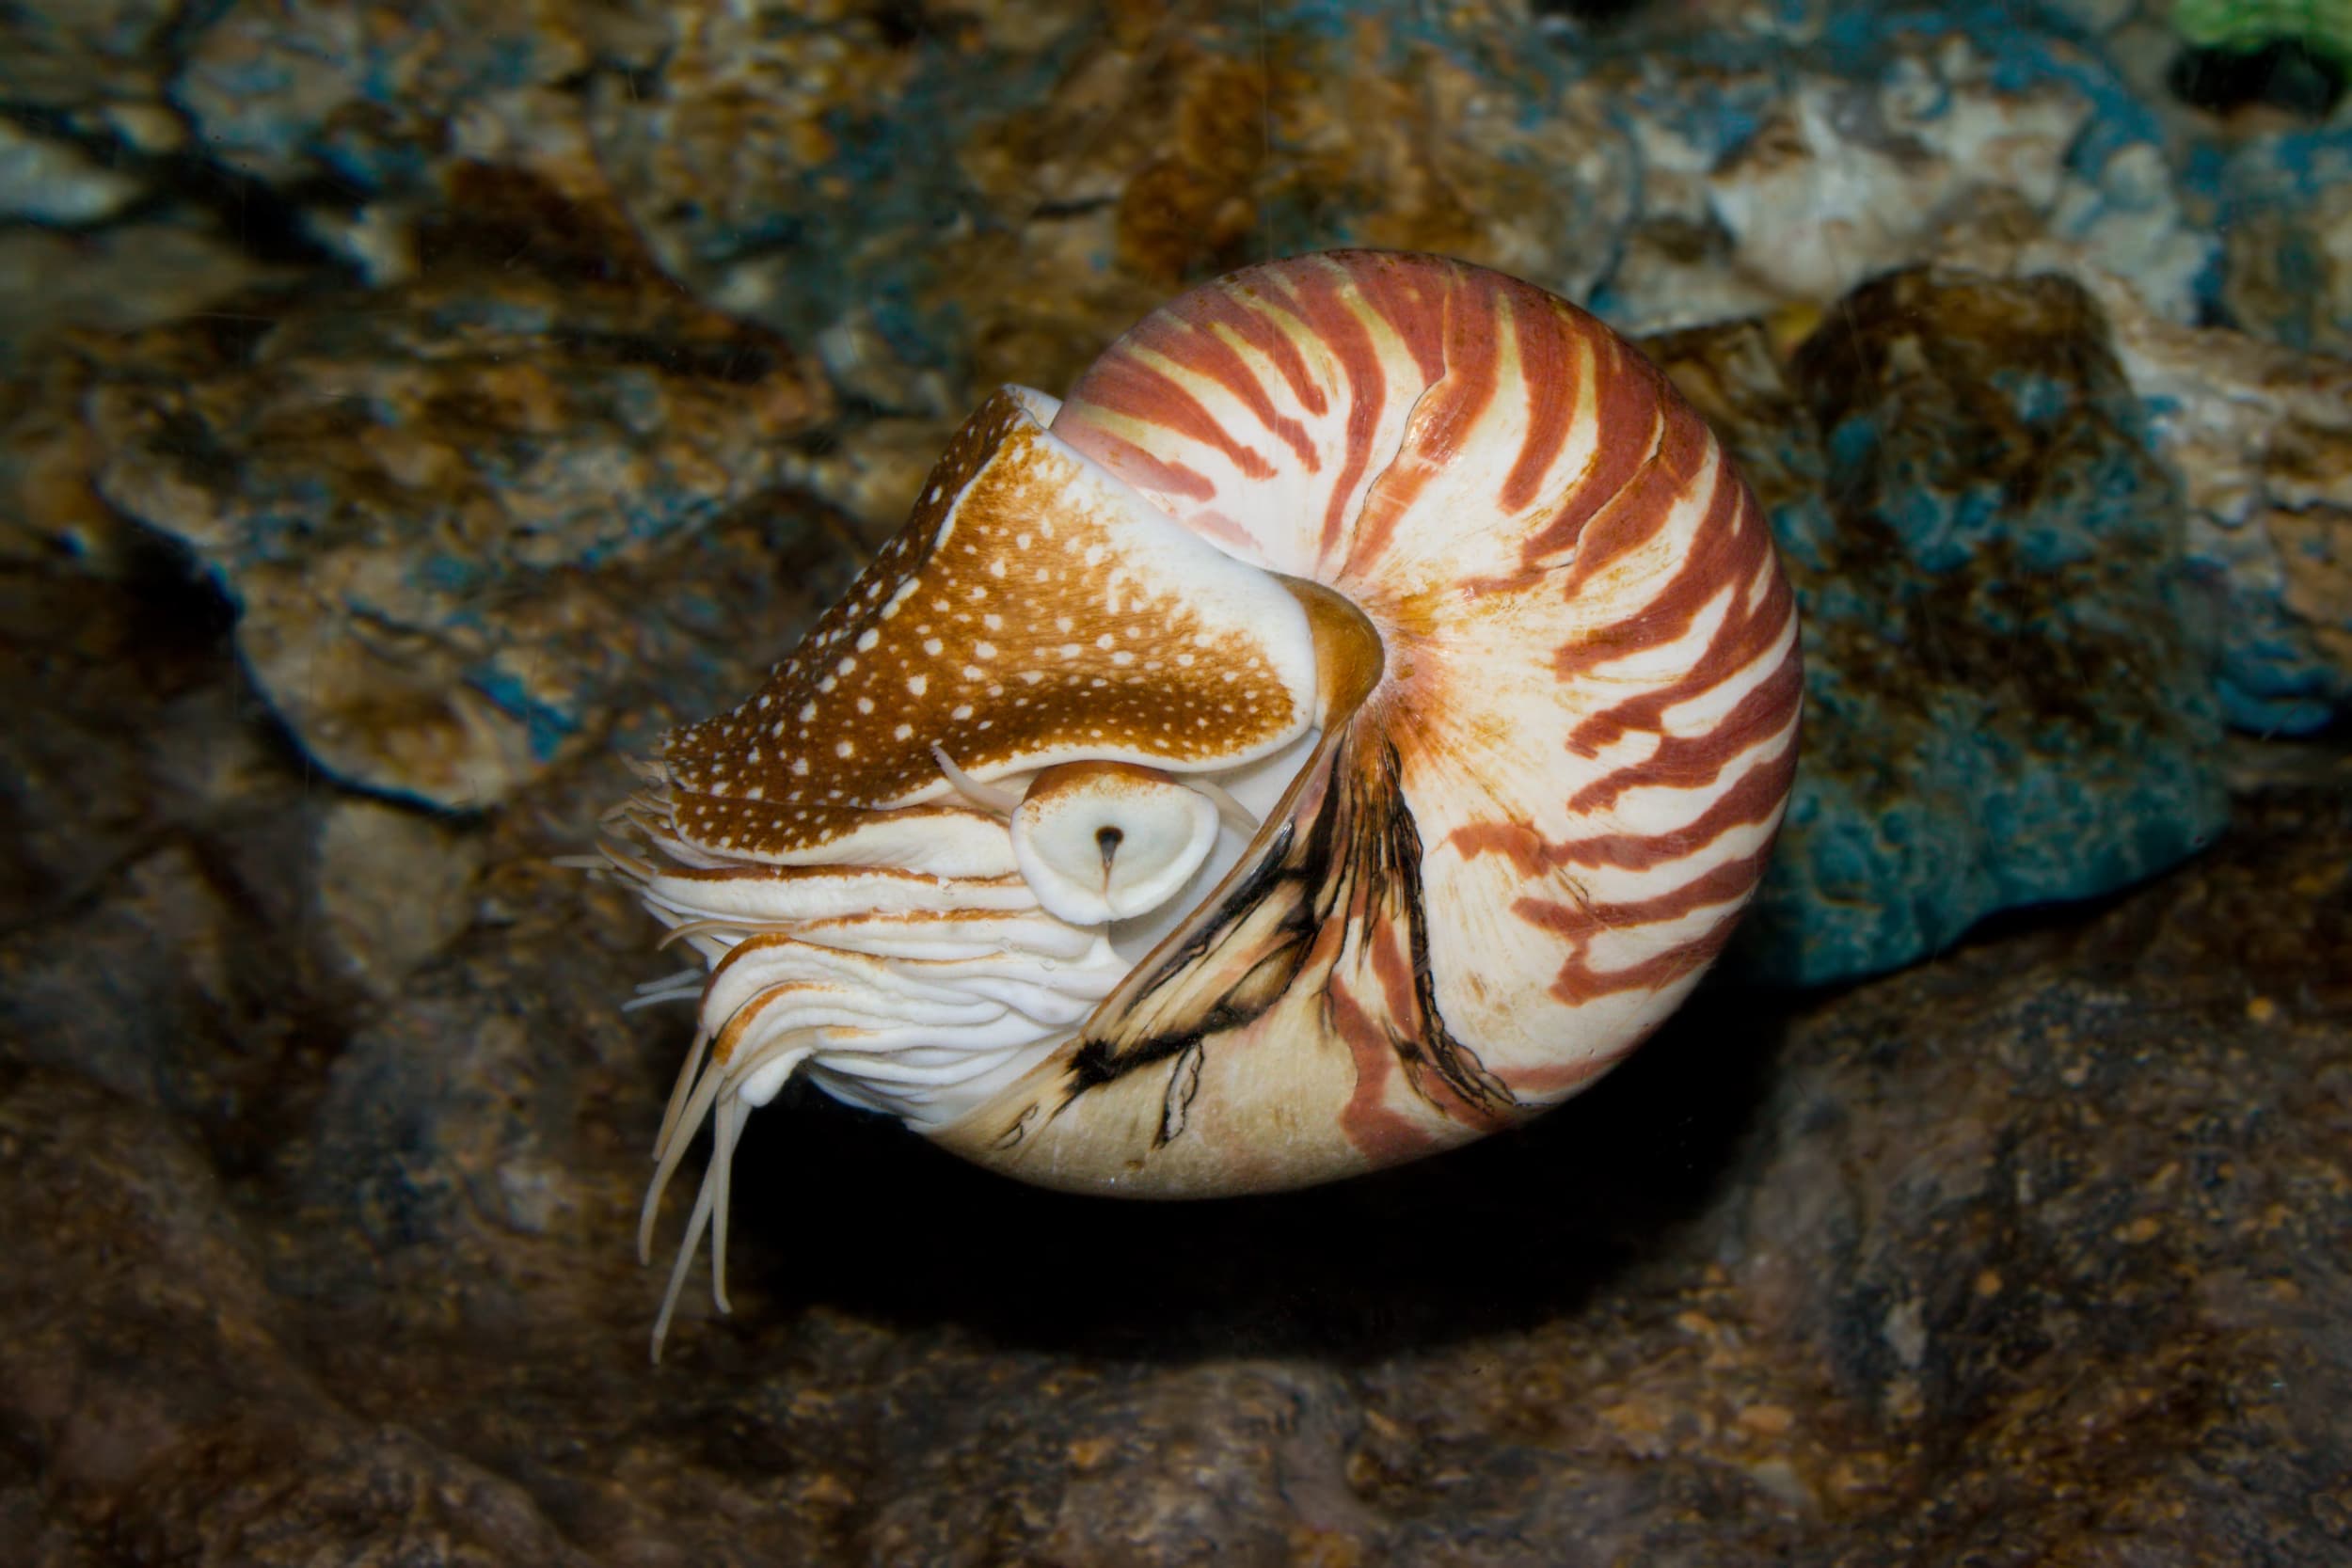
{"points": [[1343, 727]]}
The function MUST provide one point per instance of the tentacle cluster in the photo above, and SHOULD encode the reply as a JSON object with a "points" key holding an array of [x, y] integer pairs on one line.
{"points": [[915, 982]]}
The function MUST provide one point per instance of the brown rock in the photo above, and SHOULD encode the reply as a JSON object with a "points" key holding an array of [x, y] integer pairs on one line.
{"points": [[440, 513]]}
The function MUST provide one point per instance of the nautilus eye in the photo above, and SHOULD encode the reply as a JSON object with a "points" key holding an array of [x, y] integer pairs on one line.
{"points": [[1104, 841], [1346, 725]]}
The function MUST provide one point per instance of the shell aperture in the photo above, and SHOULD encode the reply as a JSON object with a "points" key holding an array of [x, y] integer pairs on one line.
{"points": [[1428, 568]]}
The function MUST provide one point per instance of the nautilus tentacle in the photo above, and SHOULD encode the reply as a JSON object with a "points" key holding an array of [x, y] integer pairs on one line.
{"points": [[1419, 570]]}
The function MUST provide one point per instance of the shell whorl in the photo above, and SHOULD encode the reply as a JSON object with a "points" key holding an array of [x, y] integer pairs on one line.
{"points": [[1584, 734], [1497, 600]]}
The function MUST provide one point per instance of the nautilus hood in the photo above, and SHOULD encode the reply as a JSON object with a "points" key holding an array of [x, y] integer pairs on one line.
{"points": [[1035, 609]]}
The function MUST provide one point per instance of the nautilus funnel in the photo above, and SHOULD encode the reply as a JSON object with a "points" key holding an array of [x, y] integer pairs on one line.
{"points": [[1419, 648]]}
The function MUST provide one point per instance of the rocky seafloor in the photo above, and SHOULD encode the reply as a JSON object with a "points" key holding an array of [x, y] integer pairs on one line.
{"points": [[404, 411]]}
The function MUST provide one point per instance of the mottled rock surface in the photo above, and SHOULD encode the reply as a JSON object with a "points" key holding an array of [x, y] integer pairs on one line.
{"points": [[456, 517], [2009, 696], [2261, 436], [1056, 169], [1789, 163]]}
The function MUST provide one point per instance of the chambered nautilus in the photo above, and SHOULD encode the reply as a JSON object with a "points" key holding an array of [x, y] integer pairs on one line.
{"points": [[1343, 727]]}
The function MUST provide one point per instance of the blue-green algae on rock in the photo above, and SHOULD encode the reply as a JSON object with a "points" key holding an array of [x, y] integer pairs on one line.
{"points": [[2009, 677]]}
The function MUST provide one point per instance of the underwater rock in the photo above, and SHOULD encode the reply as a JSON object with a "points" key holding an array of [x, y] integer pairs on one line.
{"points": [[158, 919], [394, 141], [151, 991], [83, 55], [2009, 1207], [1818, 182], [2057, 1206], [456, 519], [2282, 202], [2009, 696], [376, 96], [159, 1379], [43, 181], [2260, 438], [967, 196], [82, 790], [123, 277], [393, 888], [1785, 165], [449, 1127]]}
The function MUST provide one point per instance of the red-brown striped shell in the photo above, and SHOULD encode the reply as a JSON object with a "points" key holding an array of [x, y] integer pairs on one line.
{"points": [[1445, 537], [1540, 828]]}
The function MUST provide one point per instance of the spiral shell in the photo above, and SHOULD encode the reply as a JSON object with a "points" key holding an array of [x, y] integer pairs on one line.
{"points": [[1428, 565]]}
